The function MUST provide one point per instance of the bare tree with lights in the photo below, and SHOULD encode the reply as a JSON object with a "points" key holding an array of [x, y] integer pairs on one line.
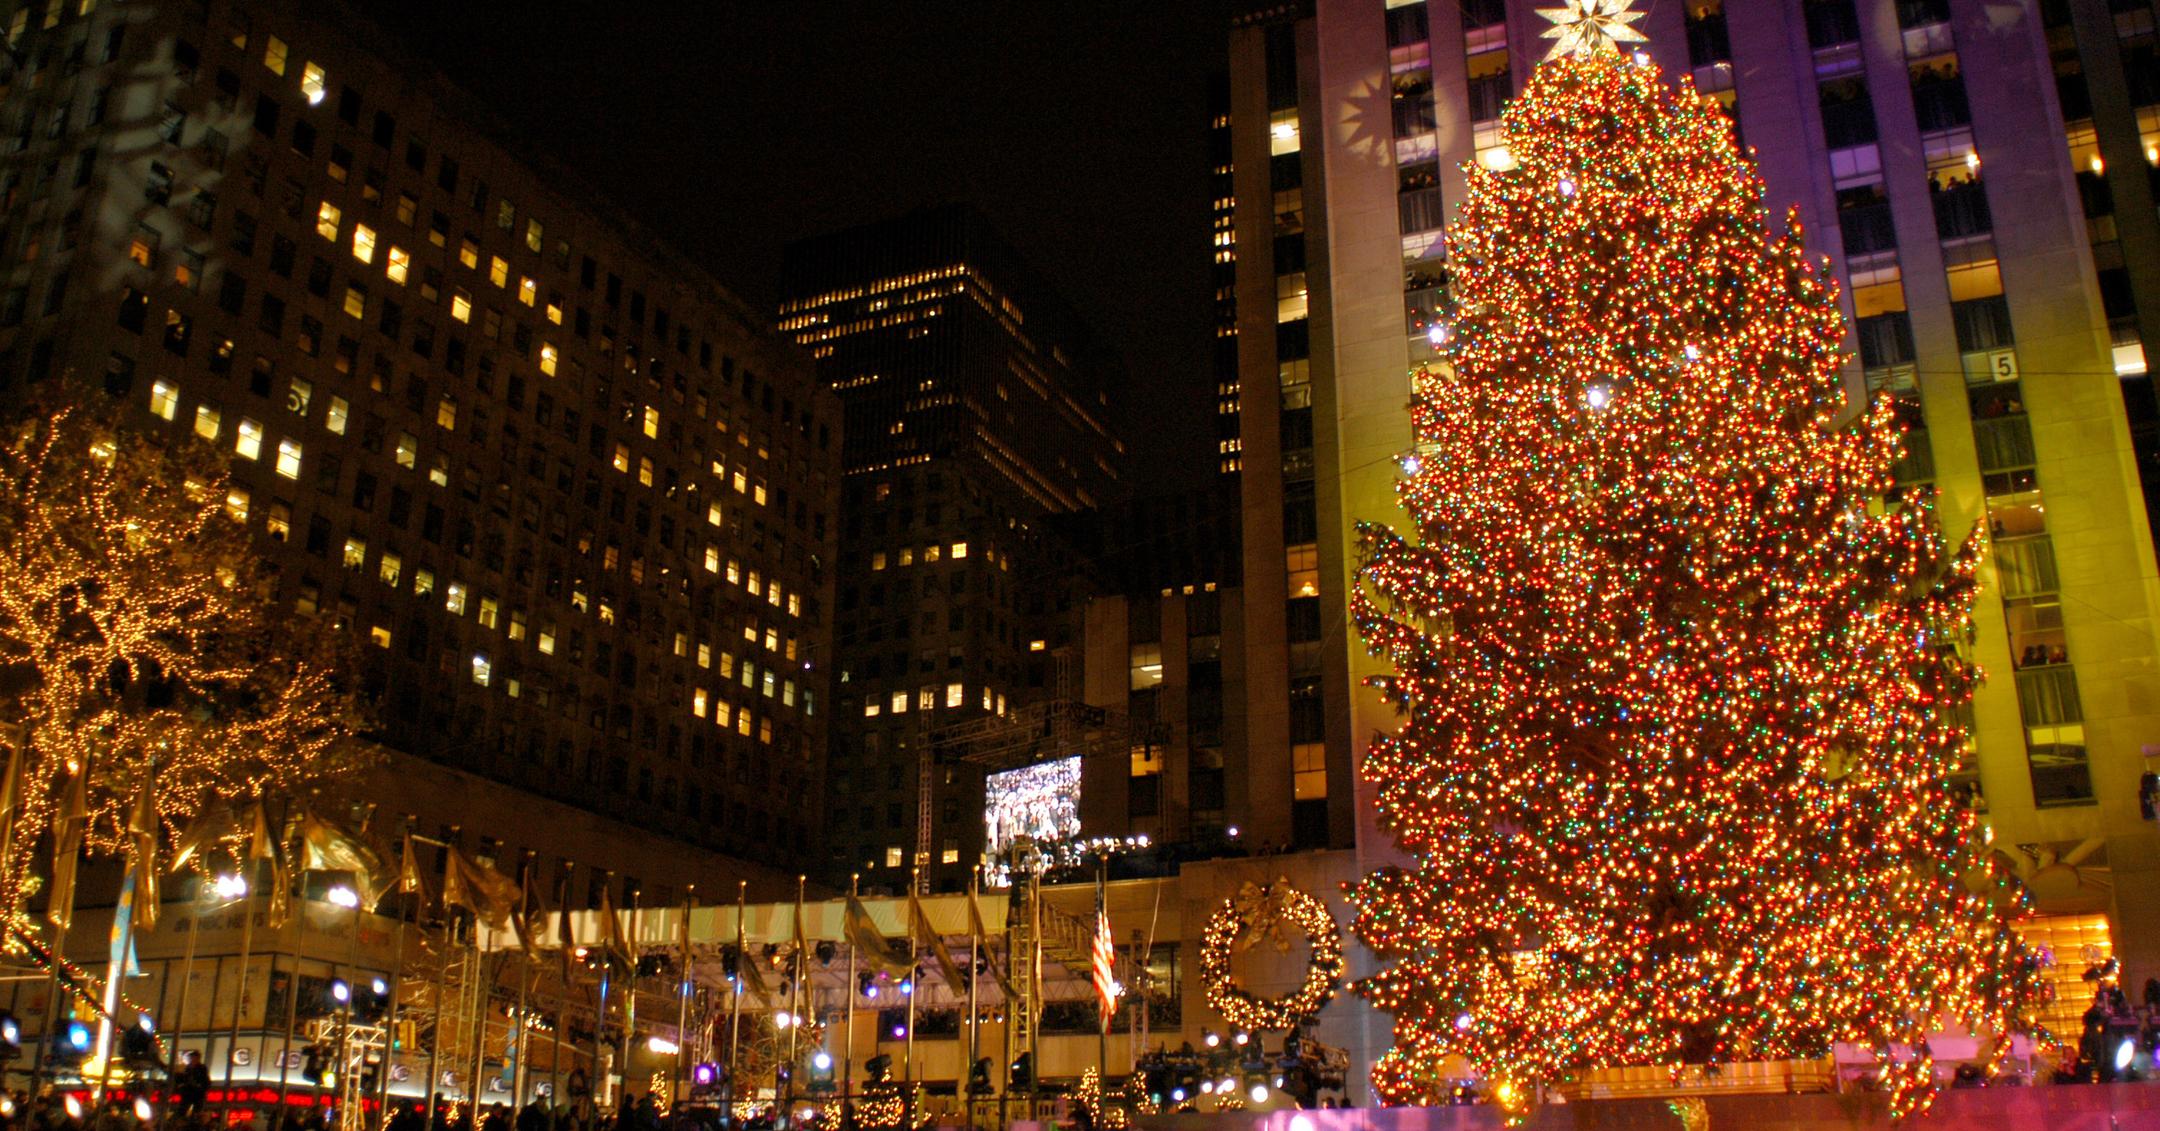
{"points": [[143, 669]]}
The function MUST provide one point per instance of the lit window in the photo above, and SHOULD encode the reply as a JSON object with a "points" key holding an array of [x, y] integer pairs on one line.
{"points": [[712, 515], [712, 559], [408, 450], [547, 639], [468, 252], [907, 555], [482, 670], [932, 552], [652, 422], [697, 702], [871, 709], [274, 56], [959, 550], [277, 521], [327, 218], [1303, 569], [892, 856], [516, 630], [554, 313], [454, 598], [528, 289], [794, 604], [742, 483], [955, 695], [622, 457], [877, 560], [446, 413], [1036, 645], [489, 610], [313, 84], [899, 702], [771, 684], [461, 305], [1147, 668], [355, 300], [645, 470], [439, 471], [236, 504], [547, 359], [759, 494], [206, 422], [390, 569], [534, 235], [423, 582], [704, 655], [498, 270], [336, 416], [164, 399], [363, 243], [1308, 767], [724, 712], [400, 264], [299, 394], [756, 584], [248, 440], [379, 636], [355, 553], [288, 459]]}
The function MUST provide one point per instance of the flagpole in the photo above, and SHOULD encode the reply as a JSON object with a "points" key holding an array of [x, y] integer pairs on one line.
{"points": [[907, 1054], [517, 1043], [629, 1021], [390, 1015], [1102, 1037], [480, 995], [562, 1000], [787, 1100], [442, 990], [847, 1056], [682, 1005], [974, 969], [735, 1002]]}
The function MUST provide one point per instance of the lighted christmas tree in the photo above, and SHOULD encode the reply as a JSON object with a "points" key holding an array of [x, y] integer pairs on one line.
{"points": [[1676, 659]]}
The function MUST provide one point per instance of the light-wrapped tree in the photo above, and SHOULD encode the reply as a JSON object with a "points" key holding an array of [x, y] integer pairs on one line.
{"points": [[138, 646], [1679, 686]]}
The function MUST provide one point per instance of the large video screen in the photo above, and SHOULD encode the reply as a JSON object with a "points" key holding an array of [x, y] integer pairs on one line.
{"points": [[1040, 801]]}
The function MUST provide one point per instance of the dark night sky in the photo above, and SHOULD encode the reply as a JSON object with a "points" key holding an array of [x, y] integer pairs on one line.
{"points": [[733, 128]]}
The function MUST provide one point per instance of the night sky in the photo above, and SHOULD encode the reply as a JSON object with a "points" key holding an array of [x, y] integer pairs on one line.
{"points": [[733, 128]]}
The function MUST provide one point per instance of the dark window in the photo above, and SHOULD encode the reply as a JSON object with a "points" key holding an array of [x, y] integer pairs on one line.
{"points": [[1962, 210], [1864, 220], [1707, 40], [1848, 114], [1831, 23], [1982, 323], [1406, 25], [1885, 339], [1939, 101], [266, 115]]}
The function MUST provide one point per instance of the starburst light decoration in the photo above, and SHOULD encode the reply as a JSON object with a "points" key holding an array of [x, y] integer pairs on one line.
{"points": [[1585, 26]]}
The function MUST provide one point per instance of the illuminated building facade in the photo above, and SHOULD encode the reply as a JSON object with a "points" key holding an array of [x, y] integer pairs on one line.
{"points": [[573, 500], [1996, 244], [975, 409]]}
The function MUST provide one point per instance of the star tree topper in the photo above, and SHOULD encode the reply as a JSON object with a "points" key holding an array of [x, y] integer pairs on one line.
{"points": [[1585, 26]]}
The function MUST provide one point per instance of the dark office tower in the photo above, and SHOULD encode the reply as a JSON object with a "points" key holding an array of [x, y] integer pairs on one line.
{"points": [[1980, 176], [974, 409], [571, 497]]}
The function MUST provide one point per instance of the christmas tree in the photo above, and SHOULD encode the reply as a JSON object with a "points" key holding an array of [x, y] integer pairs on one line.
{"points": [[1676, 659]]}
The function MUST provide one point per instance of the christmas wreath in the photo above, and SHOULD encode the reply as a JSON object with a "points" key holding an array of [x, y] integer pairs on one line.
{"points": [[1273, 912]]}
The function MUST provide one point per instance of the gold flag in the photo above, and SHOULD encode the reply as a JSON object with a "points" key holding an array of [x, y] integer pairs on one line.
{"points": [[480, 889], [566, 934], [919, 926], [213, 823], [142, 850], [611, 932], [327, 847], [982, 938], [67, 849], [409, 876], [871, 946], [531, 917], [753, 979]]}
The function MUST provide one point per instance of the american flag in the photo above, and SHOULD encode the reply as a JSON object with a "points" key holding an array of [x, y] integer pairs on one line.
{"points": [[1105, 954]]}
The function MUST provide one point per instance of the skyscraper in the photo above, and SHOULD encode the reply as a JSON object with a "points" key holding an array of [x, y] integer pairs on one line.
{"points": [[1990, 237], [571, 497], [975, 408]]}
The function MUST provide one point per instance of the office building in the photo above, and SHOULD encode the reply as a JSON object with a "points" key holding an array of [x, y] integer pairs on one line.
{"points": [[1956, 161], [573, 500], [975, 408]]}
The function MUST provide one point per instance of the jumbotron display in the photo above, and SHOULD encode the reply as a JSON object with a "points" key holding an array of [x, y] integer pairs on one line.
{"points": [[1041, 801]]}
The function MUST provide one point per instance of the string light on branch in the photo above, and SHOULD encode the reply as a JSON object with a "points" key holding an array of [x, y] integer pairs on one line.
{"points": [[1271, 912]]}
